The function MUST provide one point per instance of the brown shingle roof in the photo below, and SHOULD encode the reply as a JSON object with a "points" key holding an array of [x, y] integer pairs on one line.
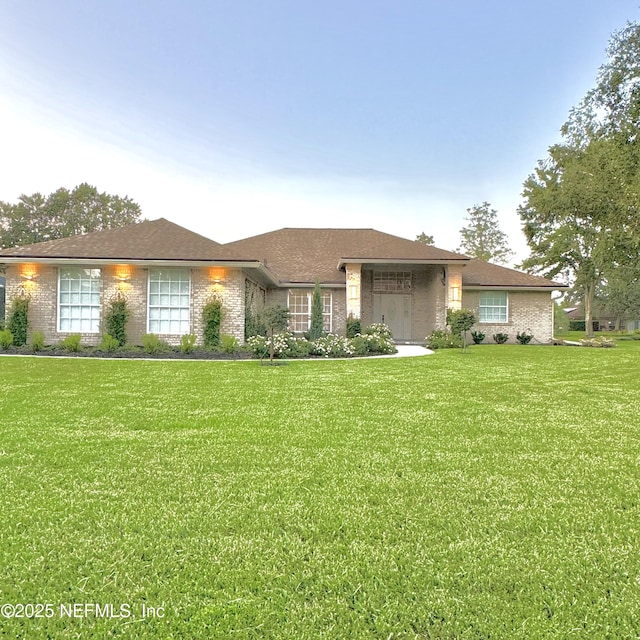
{"points": [[149, 240], [304, 255], [484, 274]]}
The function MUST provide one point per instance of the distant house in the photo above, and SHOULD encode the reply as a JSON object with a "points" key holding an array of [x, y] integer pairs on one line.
{"points": [[604, 319], [168, 273]]}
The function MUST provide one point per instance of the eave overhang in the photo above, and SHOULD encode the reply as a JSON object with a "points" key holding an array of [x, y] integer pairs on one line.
{"points": [[53, 261], [408, 261]]}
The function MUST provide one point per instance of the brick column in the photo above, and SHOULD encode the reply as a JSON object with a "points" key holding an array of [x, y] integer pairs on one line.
{"points": [[354, 280]]}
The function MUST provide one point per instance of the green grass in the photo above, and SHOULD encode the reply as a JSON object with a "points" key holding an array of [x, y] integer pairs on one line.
{"points": [[492, 494]]}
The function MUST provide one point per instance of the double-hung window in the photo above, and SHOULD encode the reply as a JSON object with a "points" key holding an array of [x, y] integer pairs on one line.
{"points": [[493, 306], [300, 301], [79, 300], [169, 301]]}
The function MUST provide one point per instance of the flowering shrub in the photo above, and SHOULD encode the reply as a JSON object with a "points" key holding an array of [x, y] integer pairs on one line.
{"points": [[443, 339], [600, 341], [376, 339], [332, 346], [380, 330]]}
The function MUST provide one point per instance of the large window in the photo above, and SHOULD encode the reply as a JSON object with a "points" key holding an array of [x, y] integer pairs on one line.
{"points": [[493, 306], [79, 300], [300, 309], [169, 296]]}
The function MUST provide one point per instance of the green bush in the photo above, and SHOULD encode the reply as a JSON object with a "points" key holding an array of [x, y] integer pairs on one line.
{"points": [[6, 339], [442, 339], [354, 326], [501, 338], [109, 343], [524, 337], [212, 318], [115, 318], [37, 341], [152, 344], [19, 320], [188, 343], [229, 344], [72, 342], [477, 336], [577, 325]]}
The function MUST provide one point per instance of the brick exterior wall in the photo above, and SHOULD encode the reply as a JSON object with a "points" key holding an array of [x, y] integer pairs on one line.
{"points": [[339, 305], [43, 308], [528, 311]]}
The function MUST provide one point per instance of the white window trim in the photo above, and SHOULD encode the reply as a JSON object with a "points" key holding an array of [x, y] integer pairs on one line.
{"points": [[59, 304], [157, 306], [309, 295], [506, 307]]}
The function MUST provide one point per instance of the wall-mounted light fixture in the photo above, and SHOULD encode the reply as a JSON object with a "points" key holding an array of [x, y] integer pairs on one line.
{"points": [[123, 273]]}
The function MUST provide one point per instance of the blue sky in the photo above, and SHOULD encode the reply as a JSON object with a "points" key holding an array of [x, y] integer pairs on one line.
{"points": [[235, 118]]}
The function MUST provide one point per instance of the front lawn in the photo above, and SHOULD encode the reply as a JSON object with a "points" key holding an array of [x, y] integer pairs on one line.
{"points": [[492, 494]]}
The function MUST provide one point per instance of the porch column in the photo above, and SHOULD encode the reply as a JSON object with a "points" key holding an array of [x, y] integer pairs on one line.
{"points": [[354, 272], [454, 287]]}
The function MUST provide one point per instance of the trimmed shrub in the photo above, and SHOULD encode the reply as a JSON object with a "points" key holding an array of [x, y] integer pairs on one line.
{"points": [[577, 325], [72, 343], [477, 336], [500, 338], [442, 339], [19, 320], [109, 343], [212, 318], [6, 339], [37, 341], [524, 337]]}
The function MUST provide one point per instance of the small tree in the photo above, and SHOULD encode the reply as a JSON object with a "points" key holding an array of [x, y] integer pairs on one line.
{"points": [[460, 321], [316, 330], [275, 318]]}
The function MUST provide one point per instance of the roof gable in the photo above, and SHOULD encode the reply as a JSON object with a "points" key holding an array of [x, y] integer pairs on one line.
{"points": [[304, 255], [477, 273]]}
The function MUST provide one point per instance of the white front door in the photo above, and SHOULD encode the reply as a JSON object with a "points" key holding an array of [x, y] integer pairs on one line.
{"points": [[394, 310]]}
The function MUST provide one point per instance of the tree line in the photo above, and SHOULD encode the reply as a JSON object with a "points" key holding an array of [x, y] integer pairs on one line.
{"points": [[63, 213]]}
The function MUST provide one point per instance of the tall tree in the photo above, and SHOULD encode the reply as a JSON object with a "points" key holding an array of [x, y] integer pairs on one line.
{"points": [[425, 239], [482, 238], [63, 213], [567, 218], [581, 210]]}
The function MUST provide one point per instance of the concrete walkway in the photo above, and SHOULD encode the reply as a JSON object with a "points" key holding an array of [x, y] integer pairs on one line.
{"points": [[407, 350]]}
